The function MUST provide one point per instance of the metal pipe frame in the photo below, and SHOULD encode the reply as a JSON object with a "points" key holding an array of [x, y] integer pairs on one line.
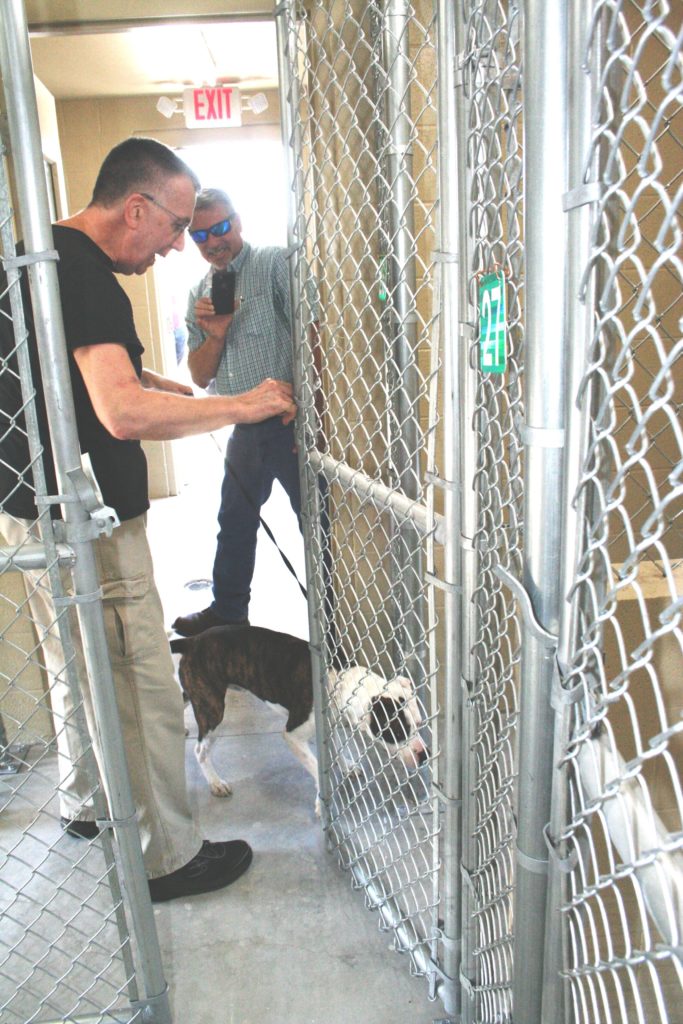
{"points": [[33, 556], [579, 299], [381, 496], [27, 159], [404, 426], [464, 402], [451, 131], [545, 177], [313, 513]]}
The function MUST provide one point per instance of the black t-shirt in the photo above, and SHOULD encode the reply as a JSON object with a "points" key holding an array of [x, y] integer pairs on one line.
{"points": [[96, 311]]}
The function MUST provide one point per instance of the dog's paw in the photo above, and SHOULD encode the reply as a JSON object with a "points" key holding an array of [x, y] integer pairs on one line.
{"points": [[221, 788]]}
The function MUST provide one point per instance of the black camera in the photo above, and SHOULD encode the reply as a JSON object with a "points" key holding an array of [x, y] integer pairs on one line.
{"points": [[223, 291]]}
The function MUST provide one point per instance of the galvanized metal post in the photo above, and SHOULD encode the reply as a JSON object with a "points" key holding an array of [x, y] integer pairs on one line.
{"points": [[405, 433], [582, 184], [313, 485], [449, 780], [27, 160], [464, 402], [545, 175]]}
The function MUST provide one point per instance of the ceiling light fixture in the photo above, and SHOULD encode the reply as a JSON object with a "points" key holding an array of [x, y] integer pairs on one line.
{"points": [[169, 107], [256, 103]]}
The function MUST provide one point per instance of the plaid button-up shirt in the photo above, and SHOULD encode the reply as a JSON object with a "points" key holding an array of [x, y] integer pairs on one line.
{"points": [[258, 343]]}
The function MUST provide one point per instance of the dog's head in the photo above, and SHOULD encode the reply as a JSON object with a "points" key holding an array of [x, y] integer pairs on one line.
{"points": [[394, 718], [386, 708]]}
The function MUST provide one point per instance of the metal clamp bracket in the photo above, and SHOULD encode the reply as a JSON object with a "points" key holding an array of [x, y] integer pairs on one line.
{"points": [[562, 696], [459, 65], [27, 260], [147, 1007], [131, 819], [434, 480], [68, 601], [564, 864], [450, 801], [466, 985], [103, 519], [439, 256], [541, 437], [533, 864], [466, 876], [537, 630], [590, 192], [449, 588]]}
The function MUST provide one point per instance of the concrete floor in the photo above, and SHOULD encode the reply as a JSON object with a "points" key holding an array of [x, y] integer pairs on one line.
{"points": [[290, 942]]}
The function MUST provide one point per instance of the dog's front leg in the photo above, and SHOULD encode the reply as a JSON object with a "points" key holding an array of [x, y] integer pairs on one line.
{"points": [[217, 785], [297, 741]]}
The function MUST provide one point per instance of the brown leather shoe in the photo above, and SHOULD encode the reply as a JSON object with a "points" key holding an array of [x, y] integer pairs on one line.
{"points": [[199, 622]]}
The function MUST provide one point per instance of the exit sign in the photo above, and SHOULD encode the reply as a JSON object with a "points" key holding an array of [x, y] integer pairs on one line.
{"points": [[212, 106]]}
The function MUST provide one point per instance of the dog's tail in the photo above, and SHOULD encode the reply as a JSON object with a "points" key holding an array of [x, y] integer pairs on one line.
{"points": [[180, 644]]}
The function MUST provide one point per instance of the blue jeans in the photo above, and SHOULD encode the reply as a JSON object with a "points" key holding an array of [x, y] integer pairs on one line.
{"points": [[258, 453]]}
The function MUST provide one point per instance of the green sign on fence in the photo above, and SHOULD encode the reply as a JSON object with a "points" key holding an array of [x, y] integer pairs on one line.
{"points": [[492, 323]]}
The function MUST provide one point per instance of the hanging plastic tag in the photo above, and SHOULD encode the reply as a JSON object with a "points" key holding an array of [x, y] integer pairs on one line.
{"points": [[492, 323]]}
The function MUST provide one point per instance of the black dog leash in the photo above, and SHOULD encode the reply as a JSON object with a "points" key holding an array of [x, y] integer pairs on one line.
{"points": [[262, 521]]}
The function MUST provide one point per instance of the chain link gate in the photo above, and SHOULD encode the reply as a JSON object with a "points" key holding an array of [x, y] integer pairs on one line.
{"points": [[362, 122], [437, 153], [78, 941]]}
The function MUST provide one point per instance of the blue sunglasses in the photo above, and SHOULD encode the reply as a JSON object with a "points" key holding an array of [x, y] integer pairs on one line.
{"points": [[221, 228]]}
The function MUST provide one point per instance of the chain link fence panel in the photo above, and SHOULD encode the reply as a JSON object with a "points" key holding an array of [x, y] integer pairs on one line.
{"points": [[362, 81], [623, 906]]}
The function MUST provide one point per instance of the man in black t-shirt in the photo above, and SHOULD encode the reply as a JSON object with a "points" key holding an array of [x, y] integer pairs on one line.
{"points": [[141, 205]]}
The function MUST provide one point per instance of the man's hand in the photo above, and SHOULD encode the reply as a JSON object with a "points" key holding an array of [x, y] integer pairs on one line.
{"points": [[270, 398], [213, 325], [150, 379]]}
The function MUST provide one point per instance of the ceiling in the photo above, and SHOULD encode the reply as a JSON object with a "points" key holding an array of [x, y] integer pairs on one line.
{"points": [[161, 59]]}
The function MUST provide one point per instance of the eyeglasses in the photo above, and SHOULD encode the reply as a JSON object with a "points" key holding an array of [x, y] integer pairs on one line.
{"points": [[220, 228], [179, 223]]}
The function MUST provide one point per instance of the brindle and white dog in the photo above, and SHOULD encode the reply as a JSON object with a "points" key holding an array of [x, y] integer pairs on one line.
{"points": [[276, 668]]}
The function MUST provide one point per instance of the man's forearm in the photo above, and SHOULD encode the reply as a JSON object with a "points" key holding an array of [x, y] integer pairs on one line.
{"points": [[203, 361], [131, 412], [163, 416]]}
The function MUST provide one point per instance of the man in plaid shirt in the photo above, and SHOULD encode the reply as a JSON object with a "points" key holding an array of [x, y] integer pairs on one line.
{"points": [[237, 351]]}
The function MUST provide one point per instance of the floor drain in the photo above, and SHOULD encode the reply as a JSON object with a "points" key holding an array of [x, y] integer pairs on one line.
{"points": [[198, 584]]}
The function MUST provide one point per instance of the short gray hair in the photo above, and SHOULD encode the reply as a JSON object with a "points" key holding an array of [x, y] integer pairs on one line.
{"points": [[212, 197]]}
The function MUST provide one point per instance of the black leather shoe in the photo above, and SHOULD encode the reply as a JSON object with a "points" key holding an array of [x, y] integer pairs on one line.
{"points": [[199, 622], [80, 829], [215, 866]]}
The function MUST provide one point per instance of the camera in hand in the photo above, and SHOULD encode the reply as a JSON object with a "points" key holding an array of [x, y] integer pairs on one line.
{"points": [[223, 291]]}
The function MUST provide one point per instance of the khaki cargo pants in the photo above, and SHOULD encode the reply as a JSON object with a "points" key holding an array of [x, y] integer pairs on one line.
{"points": [[148, 696]]}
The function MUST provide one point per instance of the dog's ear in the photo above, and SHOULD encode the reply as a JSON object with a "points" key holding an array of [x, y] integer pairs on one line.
{"points": [[388, 720]]}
